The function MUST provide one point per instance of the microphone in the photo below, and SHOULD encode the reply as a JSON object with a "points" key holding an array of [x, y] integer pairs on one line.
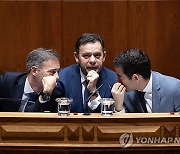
{"points": [[87, 111]]}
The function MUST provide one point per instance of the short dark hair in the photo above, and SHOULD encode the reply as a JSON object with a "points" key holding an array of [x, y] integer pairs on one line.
{"points": [[87, 38], [38, 56], [133, 61]]}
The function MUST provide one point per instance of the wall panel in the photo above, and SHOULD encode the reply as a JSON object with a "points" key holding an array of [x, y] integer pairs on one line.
{"points": [[152, 25], [106, 18], [24, 26]]}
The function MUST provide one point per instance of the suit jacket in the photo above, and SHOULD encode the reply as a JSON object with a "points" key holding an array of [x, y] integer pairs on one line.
{"points": [[71, 87], [12, 86], [165, 95]]}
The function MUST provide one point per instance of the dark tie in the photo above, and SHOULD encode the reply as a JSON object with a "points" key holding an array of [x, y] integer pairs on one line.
{"points": [[26, 104], [86, 95], [32, 96], [143, 101]]}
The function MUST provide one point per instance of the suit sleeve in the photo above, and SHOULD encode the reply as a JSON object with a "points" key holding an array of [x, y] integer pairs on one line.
{"points": [[177, 97], [47, 106]]}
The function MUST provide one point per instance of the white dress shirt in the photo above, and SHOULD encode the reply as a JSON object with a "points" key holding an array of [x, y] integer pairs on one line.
{"points": [[92, 104], [148, 95]]}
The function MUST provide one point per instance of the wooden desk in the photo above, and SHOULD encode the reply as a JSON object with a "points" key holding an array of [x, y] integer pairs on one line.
{"points": [[49, 132]]}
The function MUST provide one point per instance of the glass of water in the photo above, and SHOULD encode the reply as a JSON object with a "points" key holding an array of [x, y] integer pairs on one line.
{"points": [[107, 106], [64, 106]]}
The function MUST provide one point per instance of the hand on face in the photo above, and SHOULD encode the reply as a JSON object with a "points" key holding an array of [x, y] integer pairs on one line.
{"points": [[118, 91], [49, 83], [92, 77]]}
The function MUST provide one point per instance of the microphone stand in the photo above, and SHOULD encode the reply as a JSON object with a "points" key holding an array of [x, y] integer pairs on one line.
{"points": [[87, 111]]}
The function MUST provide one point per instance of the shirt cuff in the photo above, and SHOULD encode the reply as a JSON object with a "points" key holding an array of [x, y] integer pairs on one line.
{"points": [[43, 97], [122, 111], [41, 100], [95, 103]]}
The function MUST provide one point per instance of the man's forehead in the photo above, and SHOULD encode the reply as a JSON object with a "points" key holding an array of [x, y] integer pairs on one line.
{"points": [[51, 64], [91, 46]]}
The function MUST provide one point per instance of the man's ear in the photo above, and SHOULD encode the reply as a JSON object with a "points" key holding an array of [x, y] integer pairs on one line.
{"points": [[104, 56], [33, 70], [135, 77], [76, 57]]}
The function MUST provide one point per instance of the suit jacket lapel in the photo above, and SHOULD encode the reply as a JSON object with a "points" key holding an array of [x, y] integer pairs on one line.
{"points": [[156, 95], [18, 88], [76, 87]]}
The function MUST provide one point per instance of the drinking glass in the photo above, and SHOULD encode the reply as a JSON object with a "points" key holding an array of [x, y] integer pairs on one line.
{"points": [[64, 106], [107, 106]]}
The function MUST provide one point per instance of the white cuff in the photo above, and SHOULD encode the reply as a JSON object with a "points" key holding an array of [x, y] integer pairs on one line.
{"points": [[122, 111], [95, 103], [41, 100]]}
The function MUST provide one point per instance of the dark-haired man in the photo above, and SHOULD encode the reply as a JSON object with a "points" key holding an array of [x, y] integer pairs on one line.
{"points": [[80, 80], [148, 91]]}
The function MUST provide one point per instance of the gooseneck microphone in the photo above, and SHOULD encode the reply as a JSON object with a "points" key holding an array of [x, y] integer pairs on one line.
{"points": [[87, 110]]}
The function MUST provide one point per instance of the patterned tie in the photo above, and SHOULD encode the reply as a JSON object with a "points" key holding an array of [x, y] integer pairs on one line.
{"points": [[27, 103], [86, 95], [143, 101], [32, 96]]}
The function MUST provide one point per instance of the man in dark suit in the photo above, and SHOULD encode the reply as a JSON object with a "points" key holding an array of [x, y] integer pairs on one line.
{"points": [[81, 80], [31, 91], [148, 91]]}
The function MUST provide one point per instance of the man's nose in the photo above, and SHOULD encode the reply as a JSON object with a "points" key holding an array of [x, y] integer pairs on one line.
{"points": [[92, 59], [56, 75]]}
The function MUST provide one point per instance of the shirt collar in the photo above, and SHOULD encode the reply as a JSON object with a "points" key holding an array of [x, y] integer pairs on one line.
{"points": [[27, 87], [148, 88], [83, 77]]}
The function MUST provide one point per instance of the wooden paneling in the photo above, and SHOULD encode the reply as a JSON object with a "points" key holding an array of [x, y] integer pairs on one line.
{"points": [[106, 18], [24, 26], [48, 132], [152, 25]]}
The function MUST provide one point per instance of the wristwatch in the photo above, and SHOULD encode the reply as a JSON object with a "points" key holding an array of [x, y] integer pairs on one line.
{"points": [[44, 96]]}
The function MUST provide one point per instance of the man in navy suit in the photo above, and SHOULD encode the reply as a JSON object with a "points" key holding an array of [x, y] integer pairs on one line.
{"points": [[148, 91], [31, 91], [81, 80]]}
